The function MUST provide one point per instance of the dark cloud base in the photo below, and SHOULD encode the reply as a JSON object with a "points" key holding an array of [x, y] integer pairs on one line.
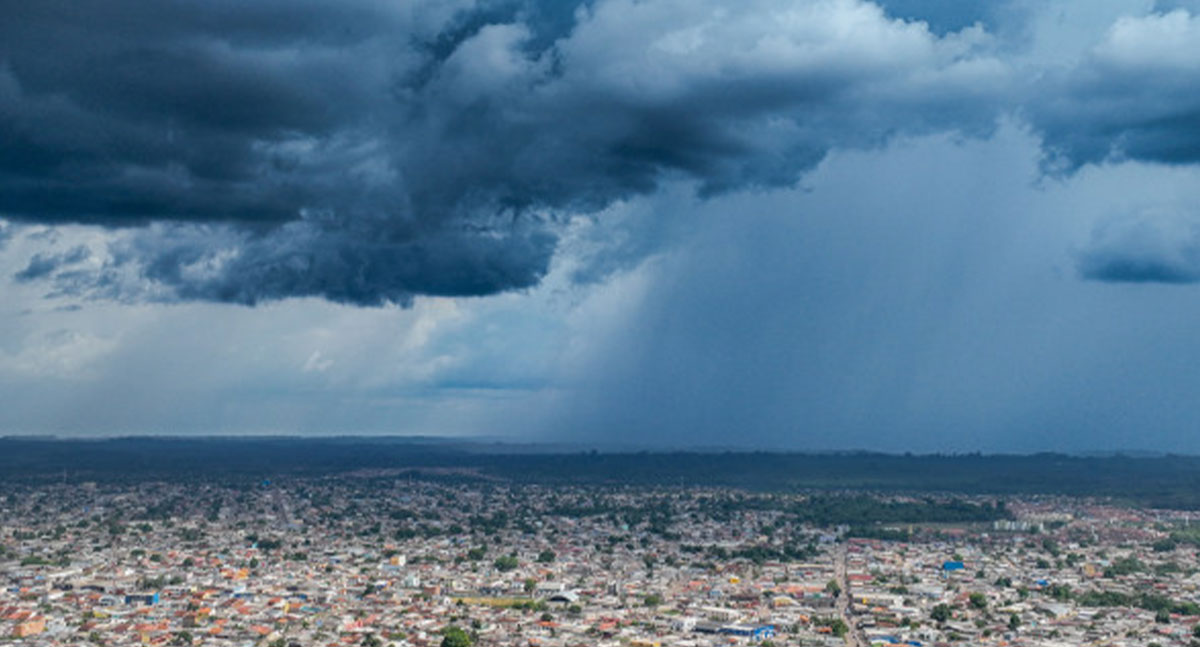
{"points": [[368, 152], [1150, 248]]}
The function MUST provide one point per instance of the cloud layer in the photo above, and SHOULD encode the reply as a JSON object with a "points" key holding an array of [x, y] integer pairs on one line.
{"points": [[366, 152], [1149, 248], [1129, 98]]}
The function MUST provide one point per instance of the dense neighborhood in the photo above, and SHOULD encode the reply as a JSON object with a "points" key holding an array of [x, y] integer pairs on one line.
{"points": [[380, 559]]}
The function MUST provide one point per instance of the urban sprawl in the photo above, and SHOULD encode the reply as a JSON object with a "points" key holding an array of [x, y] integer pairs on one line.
{"points": [[380, 559]]}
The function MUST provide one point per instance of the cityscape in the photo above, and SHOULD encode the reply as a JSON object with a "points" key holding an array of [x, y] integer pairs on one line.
{"points": [[599, 323], [381, 558]]}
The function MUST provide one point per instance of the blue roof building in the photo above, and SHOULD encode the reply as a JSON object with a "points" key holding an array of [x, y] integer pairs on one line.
{"points": [[147, 599]]}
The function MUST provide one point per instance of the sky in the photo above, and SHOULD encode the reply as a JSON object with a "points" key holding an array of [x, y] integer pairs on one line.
{"points": [[906, 225]]}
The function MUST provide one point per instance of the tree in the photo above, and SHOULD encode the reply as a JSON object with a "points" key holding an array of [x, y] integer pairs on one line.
{"points": [[1162, 617], [546, 557], [978, 600], [833, 588], [940, 613], [652, 600], [505, 563], [453, 636], [530, 585]]}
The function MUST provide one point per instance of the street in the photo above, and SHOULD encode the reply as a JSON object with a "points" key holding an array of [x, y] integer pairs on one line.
{"points": [[854, 637]]}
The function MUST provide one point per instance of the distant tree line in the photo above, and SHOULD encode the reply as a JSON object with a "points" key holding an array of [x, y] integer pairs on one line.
{"points": [[1156, 481]]}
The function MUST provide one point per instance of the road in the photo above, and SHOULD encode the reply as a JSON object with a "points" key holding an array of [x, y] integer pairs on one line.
{"points": [[855, 637]]}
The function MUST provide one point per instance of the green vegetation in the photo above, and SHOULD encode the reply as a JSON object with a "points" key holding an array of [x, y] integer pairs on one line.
{"points": [[762, 554], [454, 636], [882, 534], [1125, 566], [836, 625], [1147, 601], [1060, 592], [1165, 482], [1165, 545], [866, 511]]}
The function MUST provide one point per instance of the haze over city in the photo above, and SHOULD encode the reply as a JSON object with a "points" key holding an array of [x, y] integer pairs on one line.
{"points": [[791, 224]]}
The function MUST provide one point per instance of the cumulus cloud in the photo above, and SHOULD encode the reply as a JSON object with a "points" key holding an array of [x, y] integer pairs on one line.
{"points": [[45, 264], [1130, 99], [1153, 247], [367, 152]]}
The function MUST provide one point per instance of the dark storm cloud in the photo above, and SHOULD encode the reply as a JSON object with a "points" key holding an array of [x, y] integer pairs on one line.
{"points": [[304, 258], [119, 112], [43, 265], [1132, 98], [1153, 248], [366, 152]]}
